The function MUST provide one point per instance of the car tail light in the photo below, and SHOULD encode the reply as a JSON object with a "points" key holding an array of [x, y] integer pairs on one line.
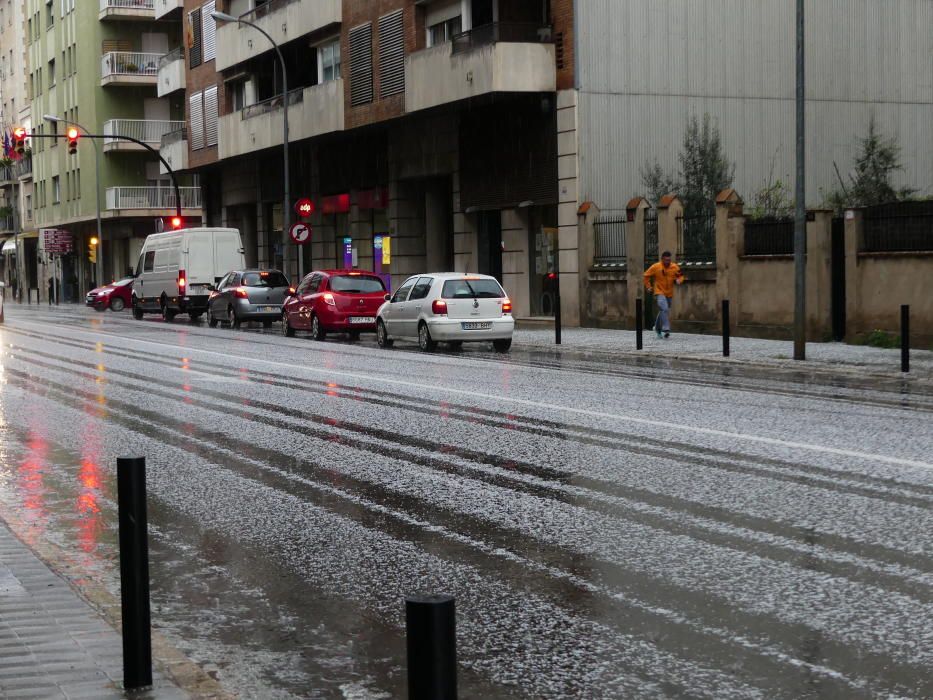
{"points": [[241, 293], [329, 299], [291, 290], [439, 307], [182, 281], [506, 306]]}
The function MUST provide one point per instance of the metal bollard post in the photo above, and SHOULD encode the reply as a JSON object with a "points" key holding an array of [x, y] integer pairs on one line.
{"points": [[430, 625], [905, 338], [725, 328], [557, 321], [134, 572], [639, 322]]}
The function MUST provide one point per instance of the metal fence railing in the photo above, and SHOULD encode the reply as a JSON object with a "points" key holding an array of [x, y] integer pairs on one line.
{"points": [[512, 32], [898, 232], [698, 237], [266, 8], [610, 241], [769, 237], [152, 197], [129, 63], [127, 4], [146, 130], [173, 55], [175, 136], [652, 254], [273, 103]]}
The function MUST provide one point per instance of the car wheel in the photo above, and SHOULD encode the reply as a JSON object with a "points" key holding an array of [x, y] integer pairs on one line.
{"points": [[232, 317], [117, 304], [168, 315], [424, 338], [382, 336], [194, 316], [502, 345], [137, 312], [317, 330], [211, 321], [287, 329]]}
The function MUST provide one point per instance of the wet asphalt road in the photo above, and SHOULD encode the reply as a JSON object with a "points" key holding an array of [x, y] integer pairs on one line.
{"points": [[608, 530]]}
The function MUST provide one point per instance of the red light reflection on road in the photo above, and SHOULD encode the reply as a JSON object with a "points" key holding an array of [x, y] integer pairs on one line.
{"points": [[30, 475], [89, 488]]}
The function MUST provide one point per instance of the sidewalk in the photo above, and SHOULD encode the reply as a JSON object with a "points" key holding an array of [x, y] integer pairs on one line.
{"points": [[53, 644], [823, 358]]}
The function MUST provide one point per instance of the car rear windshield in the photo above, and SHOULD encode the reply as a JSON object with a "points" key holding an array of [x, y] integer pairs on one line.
{"points": [[264, 279], [472, 289], [356, 284]]}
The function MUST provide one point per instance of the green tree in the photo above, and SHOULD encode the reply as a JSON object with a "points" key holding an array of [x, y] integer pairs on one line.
{"points": [[705, 170], [870, 183]]}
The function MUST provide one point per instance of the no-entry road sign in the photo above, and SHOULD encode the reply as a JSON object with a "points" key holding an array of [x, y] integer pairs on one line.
{"points": [[300, 233]]}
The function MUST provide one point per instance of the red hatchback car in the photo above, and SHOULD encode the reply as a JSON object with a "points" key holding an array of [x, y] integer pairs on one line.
{"points": [[337, 301]]}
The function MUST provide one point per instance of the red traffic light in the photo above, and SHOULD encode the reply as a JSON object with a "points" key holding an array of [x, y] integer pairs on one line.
{"points": [[552, 275], [19, 140], [176, 222], [19, 132], [304, 207], [72, 134]]}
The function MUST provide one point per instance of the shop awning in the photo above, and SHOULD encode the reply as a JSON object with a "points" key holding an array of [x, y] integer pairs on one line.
{"points": [[9, 246]]}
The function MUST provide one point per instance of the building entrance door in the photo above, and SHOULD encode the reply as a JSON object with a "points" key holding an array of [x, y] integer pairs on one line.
{"points": [[489, 243], [838, 279]]}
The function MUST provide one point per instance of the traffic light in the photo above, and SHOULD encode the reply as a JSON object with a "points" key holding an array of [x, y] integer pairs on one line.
{"points": [[92, 250], [19, 140], [72, 141]]}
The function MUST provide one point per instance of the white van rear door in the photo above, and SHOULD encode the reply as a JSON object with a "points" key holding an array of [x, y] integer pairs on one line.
{"points": [[200, 262], [227, 253]]}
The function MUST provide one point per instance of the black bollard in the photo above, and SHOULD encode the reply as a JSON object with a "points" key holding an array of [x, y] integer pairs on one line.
{"points": [[905, 338], [430, 624], [134, 572], [639, 322], [725, 328]]}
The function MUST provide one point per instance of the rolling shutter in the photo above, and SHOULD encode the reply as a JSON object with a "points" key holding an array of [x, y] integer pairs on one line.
{"points": [[391, 54], [361, 64], [210, 116], [208, 33], [196, 121]]}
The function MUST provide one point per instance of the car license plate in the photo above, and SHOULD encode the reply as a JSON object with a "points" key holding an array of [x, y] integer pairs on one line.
{"points": [[362, 319], [476, 325], [269, 309]]}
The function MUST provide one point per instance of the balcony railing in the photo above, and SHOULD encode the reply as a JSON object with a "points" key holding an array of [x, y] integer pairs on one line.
{"points": [[173, 55], [126, 5], [6, 223], [513, 32], [152, 197], [273, 103], [129, 63], [175, 136], [265, 9], [610, 241], [146, 130]]}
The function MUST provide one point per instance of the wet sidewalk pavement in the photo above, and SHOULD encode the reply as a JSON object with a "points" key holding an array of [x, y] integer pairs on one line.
{"points": [[53, 644], [760, 353]]}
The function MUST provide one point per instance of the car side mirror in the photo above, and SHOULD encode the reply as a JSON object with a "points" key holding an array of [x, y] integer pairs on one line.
{"points": [[388, 297]]}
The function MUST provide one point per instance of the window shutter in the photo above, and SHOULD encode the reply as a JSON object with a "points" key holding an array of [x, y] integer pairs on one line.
{"points": [[194, 38], [210, 116], [208, 33], [361, 64], [391, 54], [196, 121]]}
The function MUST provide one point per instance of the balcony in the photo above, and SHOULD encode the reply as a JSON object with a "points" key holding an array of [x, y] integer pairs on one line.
{"points": [[17, 170], [494, 58], [171, 72], [174, 148], [7, 224], [165, 8], [145, 130], [129, 68], [312, 111], [150, 201], [126, 9], [284, 20]]}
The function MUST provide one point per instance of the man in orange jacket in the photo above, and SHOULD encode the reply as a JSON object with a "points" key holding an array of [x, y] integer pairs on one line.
{"points": [[660, 279]]}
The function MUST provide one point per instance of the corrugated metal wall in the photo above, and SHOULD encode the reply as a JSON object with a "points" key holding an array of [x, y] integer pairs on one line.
{"points": [[645, 66]]}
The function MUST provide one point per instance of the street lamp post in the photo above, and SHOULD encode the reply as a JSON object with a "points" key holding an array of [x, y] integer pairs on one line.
{"points": [[100, 232], [286, 203]]}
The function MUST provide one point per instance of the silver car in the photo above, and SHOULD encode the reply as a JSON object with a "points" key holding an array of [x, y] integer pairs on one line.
{"points": [[447, 307], [248, 295]]}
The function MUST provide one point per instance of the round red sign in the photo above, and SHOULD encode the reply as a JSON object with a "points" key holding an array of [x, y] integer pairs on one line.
{"points": [[304, 207]]}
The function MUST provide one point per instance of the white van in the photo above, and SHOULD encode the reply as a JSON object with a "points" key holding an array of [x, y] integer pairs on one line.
{"points": [[176, 270]]}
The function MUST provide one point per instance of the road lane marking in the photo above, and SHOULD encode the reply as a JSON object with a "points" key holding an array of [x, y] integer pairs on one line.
{"points": [[713, 432]]}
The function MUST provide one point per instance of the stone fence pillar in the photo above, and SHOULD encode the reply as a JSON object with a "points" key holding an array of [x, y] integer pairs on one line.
{"points": [[854, 240], [819, 274], [730, 244], [670, 209], [635, 262]]}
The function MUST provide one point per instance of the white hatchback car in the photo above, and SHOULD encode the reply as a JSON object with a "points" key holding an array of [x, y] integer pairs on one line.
{"points": [[447, 307]]}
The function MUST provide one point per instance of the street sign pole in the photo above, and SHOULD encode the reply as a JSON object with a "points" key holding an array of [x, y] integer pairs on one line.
{"points": [[800, 223]]}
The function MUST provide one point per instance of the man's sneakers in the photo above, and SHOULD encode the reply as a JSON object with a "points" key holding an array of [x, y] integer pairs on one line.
{"points": [[658, 331], [667, 334]]}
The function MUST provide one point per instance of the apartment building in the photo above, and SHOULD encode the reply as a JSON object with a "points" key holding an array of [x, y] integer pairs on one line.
{"points": [[469, 134], [95, 63]]}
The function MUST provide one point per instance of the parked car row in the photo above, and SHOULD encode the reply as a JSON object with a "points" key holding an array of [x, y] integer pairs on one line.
{"points": [[202, 270]]}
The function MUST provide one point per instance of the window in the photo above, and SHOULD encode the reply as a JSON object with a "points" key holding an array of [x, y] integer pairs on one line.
{"points": [[357, 284], [238, 93], [149, 264], [421, 289], [314, 284], [210, 116], [391, 54], [196, 121], [361, 64], [264, 279], [472, 288], [56, 190], [328, 62], [443, 31], [49, 15], [402, 293], [208, 33], [52, 72]]}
